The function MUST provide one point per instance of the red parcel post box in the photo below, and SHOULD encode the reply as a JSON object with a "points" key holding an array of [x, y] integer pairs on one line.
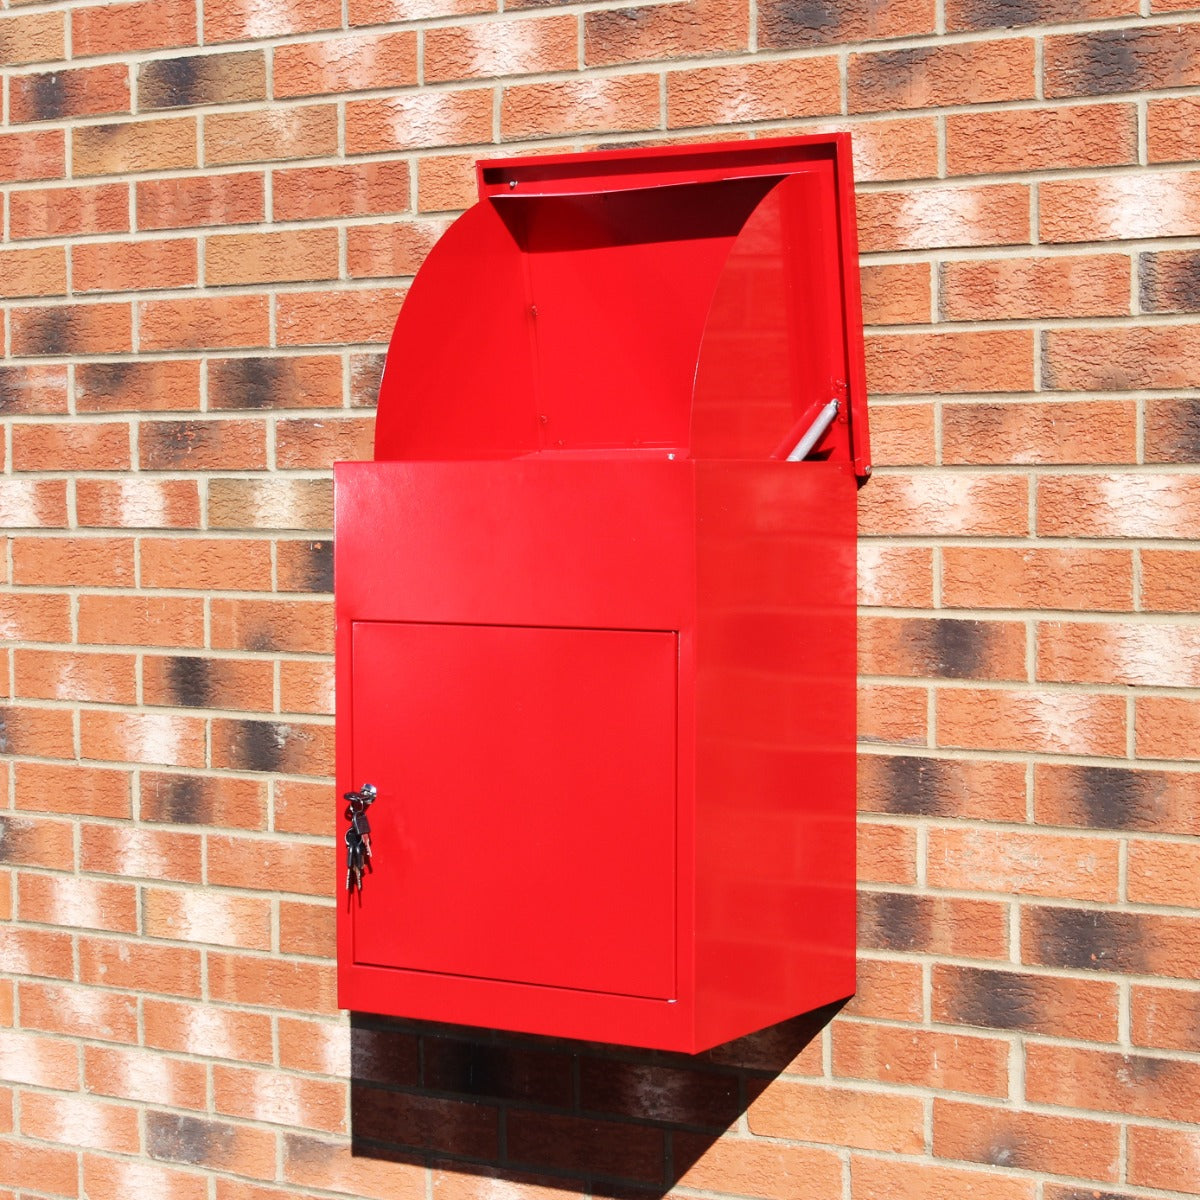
{"points": [[596, 604]]}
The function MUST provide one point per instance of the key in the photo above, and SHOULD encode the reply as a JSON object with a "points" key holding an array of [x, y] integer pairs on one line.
{"points": [[351, 853], [362, 827]]}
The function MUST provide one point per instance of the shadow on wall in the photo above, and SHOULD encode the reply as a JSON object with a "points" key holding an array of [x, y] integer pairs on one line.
{"points": [[604, 1120]]}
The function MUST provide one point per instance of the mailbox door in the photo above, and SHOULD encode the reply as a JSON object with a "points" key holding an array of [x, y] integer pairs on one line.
{"points": [[525, 824]]}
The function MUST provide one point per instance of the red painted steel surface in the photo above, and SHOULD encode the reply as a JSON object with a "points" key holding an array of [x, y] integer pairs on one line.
{"points": [[595, 638]]}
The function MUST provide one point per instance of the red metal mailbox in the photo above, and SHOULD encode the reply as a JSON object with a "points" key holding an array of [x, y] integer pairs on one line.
{"points": [[595, 621]]}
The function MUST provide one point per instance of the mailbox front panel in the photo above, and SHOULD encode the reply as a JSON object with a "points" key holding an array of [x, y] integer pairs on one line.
{"points": [[527, 803]]}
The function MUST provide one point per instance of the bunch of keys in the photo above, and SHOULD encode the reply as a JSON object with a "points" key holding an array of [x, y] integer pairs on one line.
{"points": [[358, 836]]}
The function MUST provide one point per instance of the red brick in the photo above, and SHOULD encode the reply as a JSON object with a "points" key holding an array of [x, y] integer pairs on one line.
{"points": [[199, 324], [114, 1178], [137, 503], [189, 799], [1168, 282], [64, 211], [781, 25], [206, 564], [33, 388], [301, 807], [1147, 205], [319, 443], [142, 737], [486, 50], [703, 27], [37, 952], [1033, 721], [294, 747], [83, 92], [1125, 653], [765, 91], [1092, 285], [752, 1167], [1107, 61], [1173, 129], [36, 154], [35, 272], [194, 681], [999, 361], [1164, 1018], [33, 503], [29, 1165], [306, 687], [347, 64], [1055, 1006], [80, 1121], [211, 918], [920, 1058], [141, 853], [145, 1076], [1170, 579], [39, 1061], [931, 924], [1121, 359], [886, 1179], [1119, 506], [125, 28], [200, 200], [1037, 864], [36, 37], [91, 791], [295, 255], [346, 190], [79, 1012], [1164, 1158], [196, 79], [594, 105], [273, 864], [945, 504], [1026, 1140], [1065, 577], [1129, 1084], [133, 146], [337, 317], [73, 561], [894, 575], [941, 648], [158, 969], [137, 386], [268, 136], [838, 1116], [308, 929], [893, 714], [131, 266], [72, 329], [318, 1163], [921, 785], [1115, 798], [1164, 873], [1167, 728], [989, 143], [896, 294], [930, 218], [202, 445], [38, 842], [280, 1099], [1092, 431], [445, 182], [940, 75], [141, 620], [236, 20], [420, 119], [374, 251], [207, 1030], [269, 982], [305, 504]]}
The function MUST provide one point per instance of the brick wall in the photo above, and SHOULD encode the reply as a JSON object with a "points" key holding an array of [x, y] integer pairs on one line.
{"points": [[210, 215]]}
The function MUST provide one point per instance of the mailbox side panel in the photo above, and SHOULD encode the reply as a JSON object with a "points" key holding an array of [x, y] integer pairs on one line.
{"points": [[775, 797]]}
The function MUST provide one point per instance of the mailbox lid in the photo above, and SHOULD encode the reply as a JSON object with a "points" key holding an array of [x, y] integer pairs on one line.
{"points": [[525, 825]]}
